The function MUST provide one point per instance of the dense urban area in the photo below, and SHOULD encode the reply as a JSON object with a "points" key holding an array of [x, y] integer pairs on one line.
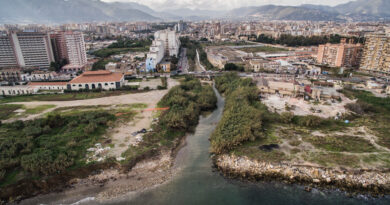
{"points": [[111, 104]]}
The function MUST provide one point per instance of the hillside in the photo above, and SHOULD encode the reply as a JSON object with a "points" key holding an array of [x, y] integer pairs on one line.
{"points": [[357, 10], [285, 13], [64, 11]]}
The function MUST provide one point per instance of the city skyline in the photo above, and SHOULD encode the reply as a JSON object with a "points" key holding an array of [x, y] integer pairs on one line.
{"points": [[225, 4]]}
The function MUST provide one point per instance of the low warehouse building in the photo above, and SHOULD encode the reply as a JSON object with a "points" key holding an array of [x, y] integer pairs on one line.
{"points": [[49, 85], [103, 79]]}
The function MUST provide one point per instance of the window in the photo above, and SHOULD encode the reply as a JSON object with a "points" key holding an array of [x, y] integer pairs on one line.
{"points": [[112, 83], [106, 84], [80, 85], [73, 85]]}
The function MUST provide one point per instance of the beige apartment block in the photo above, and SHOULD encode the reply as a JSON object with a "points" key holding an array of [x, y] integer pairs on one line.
{"points": [[376, 55], [340, 55]]}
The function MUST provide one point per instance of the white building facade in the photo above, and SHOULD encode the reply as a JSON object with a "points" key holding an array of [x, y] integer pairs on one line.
{"points": [[32, 49], [166, 43]]}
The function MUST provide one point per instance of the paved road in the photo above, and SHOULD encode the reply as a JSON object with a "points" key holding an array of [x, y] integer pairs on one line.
{"points": [[183, 61]]}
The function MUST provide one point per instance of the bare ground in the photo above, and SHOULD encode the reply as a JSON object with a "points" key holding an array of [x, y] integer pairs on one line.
{"points": [[302, 107]]}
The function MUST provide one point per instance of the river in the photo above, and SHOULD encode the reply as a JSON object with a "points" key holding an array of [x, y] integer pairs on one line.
{"points": [[197, 183]]}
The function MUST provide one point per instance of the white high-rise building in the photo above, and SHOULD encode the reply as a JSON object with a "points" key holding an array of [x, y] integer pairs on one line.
{"points": [[7, 54], [26, 49], [166, 43], [32, 49]]}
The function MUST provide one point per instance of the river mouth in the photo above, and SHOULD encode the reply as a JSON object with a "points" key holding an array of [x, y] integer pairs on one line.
{"points": [[196, 182]]}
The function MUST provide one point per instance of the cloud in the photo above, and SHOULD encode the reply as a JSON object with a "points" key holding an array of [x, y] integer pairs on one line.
{"points": [[224, 4]]}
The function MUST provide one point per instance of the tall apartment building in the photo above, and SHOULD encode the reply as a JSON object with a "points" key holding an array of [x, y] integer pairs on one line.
{"points": [[166, 43], [340, 55], [70, 46], [26, 49], [7, 54], [376, 54], [59, 46], [75, 47]]}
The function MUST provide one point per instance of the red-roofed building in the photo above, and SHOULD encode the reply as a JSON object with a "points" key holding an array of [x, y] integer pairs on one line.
{"points": [[102, 79]]}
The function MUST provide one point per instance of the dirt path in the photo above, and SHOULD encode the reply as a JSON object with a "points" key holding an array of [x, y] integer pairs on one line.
{"points": [[150, 98], [122, 136], [29, 117]]}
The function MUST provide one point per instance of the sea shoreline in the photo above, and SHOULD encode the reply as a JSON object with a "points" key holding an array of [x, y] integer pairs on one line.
{"points": [[108, 182], [374, 183]]}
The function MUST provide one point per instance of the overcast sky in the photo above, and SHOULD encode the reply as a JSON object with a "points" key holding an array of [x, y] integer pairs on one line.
{"points": [[225, 4]]}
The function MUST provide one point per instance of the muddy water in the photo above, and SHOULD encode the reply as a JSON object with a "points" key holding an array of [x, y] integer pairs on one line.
{"points": [[197, 183]]}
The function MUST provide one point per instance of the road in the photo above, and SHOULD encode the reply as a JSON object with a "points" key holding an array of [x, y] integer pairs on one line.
{"points": [[183, 61]]}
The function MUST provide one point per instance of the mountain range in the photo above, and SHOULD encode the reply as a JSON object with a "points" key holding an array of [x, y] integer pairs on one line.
{"points": [[363, 10], [66, 11]]}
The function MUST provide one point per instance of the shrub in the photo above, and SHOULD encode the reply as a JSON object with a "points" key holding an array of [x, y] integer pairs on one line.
{"points": [[286, 117], [243, 116], [2, 174], [309, 121], [90, 128], [50, 145], [360, 108]]}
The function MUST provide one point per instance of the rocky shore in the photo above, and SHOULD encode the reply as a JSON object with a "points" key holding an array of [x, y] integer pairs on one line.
{"points": [[373, 182]]}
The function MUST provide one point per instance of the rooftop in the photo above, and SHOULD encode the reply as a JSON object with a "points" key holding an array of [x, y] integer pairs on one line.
{"points": [[97, 76], [47, 83]]}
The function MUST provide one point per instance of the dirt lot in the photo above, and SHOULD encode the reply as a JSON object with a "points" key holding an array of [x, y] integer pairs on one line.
{"points": [[302, 107]]}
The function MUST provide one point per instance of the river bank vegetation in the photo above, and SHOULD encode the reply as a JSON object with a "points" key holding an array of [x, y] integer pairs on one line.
{"points": [[191, 47], [185, 103], [249, 129]]}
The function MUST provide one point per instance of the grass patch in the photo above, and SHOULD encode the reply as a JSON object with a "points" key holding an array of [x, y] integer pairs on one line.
{"points": [[7, 111], [374, 113], [227, 43], [38, 109], [266, 49], [66, 96], [106, 52], [333, 159], [341, 144], [375, 159], [255, 153]]}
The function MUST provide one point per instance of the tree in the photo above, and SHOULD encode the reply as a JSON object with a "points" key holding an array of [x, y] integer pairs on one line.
{"points": [[233, 67], [56, 66], [174, 60]]}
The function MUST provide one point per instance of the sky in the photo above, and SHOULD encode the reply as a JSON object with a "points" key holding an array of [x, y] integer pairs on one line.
{"points": [[225, 4]]}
